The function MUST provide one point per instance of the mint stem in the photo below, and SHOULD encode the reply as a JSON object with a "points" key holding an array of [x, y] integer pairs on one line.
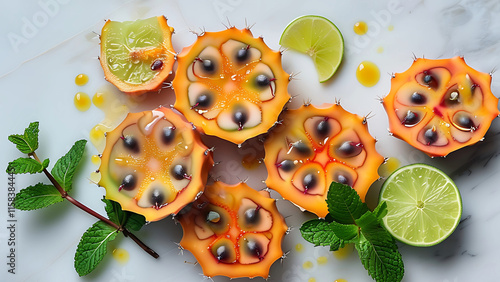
{"points": [[88, 210]]}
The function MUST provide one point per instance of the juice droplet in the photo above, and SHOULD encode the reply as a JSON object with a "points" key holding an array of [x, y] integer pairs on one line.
{"points": [[387, 168], [360, 28], [81, 79], [344, 252], [312, 279], [340, 280], [380, 49], [367, 74], [307, 265], [95, 159], [82, 101], [322, 260], [96, 136], [99, 99], [250, 161], [95, 177], [390, 28], [121, 255], [299, 247]]}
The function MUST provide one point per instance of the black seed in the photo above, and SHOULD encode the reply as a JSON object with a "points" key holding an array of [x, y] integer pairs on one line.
{"points": [[204, 100], [242, 54], [430, 136], [254, 248], [465, 121], [131, 143], [128, 182], [168, 135], [428, 78], [411, 118], [178, 172], [302, 148], [213, 217], [157, 198], [286, 165], [349, 149], [157, 65], [309, 181], [208, 66], [323, 128], [240, 116], [252, 216], [343, 179], [417, 98], [262, 80], [222, 253]]}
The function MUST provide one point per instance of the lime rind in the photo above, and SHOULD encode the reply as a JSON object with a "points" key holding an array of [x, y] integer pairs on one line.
{"points": [[427, 211], [319, 38]]}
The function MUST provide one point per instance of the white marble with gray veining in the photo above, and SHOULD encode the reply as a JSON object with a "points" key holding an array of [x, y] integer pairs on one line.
{"points": [[46, 43]]}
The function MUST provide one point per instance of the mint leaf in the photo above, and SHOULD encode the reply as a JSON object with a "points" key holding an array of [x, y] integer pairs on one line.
{"points": [[28, 142], [380, 211], [26, 165], [344, 204], [93, 247], [345, 232], [129, 220], [65, 167], [37, 197], [378, 251], [320, 233]]}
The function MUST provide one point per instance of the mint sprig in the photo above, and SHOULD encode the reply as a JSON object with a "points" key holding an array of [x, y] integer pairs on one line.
{"points": [[350, 221], [92, 247]]}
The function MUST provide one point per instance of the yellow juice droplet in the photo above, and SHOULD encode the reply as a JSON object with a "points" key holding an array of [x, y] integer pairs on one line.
{"points": [[299, 247], [344, 252], [380, 49], [322, 260], [387, 168], [307, 265], [82, 101], [367, 74], [81, 79], [250, 161], [390, 28], [96, 136], [95, 159], [360, 28], [340, 280], [95, 177], [121, 255], [98, 99], [312, 279]]}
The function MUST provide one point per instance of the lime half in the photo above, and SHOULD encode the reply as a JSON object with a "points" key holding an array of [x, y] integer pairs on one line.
{"points": [[319, 38], [424, 205]]}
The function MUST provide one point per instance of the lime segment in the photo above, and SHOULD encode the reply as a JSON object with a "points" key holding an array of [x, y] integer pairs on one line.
{"points": [[319, 38], [424, 205]]}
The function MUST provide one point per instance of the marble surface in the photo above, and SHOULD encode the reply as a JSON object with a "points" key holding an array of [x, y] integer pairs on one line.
{"points": [[46, 43]]}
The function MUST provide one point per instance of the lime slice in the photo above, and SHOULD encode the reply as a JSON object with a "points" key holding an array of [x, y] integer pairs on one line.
{"points": [[424, 205], [319, 38]]}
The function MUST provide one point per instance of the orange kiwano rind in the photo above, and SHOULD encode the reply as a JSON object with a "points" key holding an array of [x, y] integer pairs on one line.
{"points": [[316, 146], [154, 163], [439, 106], [137, 56], [233, 230], [230, 84]]}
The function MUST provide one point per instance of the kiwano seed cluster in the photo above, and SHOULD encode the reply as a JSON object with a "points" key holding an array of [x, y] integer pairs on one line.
{"points": [[231, 85]]}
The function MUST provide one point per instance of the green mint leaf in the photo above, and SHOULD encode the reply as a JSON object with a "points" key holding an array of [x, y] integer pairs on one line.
{"points": [[28, 142], [65, 167], [344, 204], [380, 211], [129, 220], [378, 251], [346, 232], [93, 247], [25, 165], [37, 197], [45, 163], [321, 233]]}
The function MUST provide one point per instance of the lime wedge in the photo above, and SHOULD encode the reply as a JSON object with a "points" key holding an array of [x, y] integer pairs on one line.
{"points": [[319, 38], [424, 205]]}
